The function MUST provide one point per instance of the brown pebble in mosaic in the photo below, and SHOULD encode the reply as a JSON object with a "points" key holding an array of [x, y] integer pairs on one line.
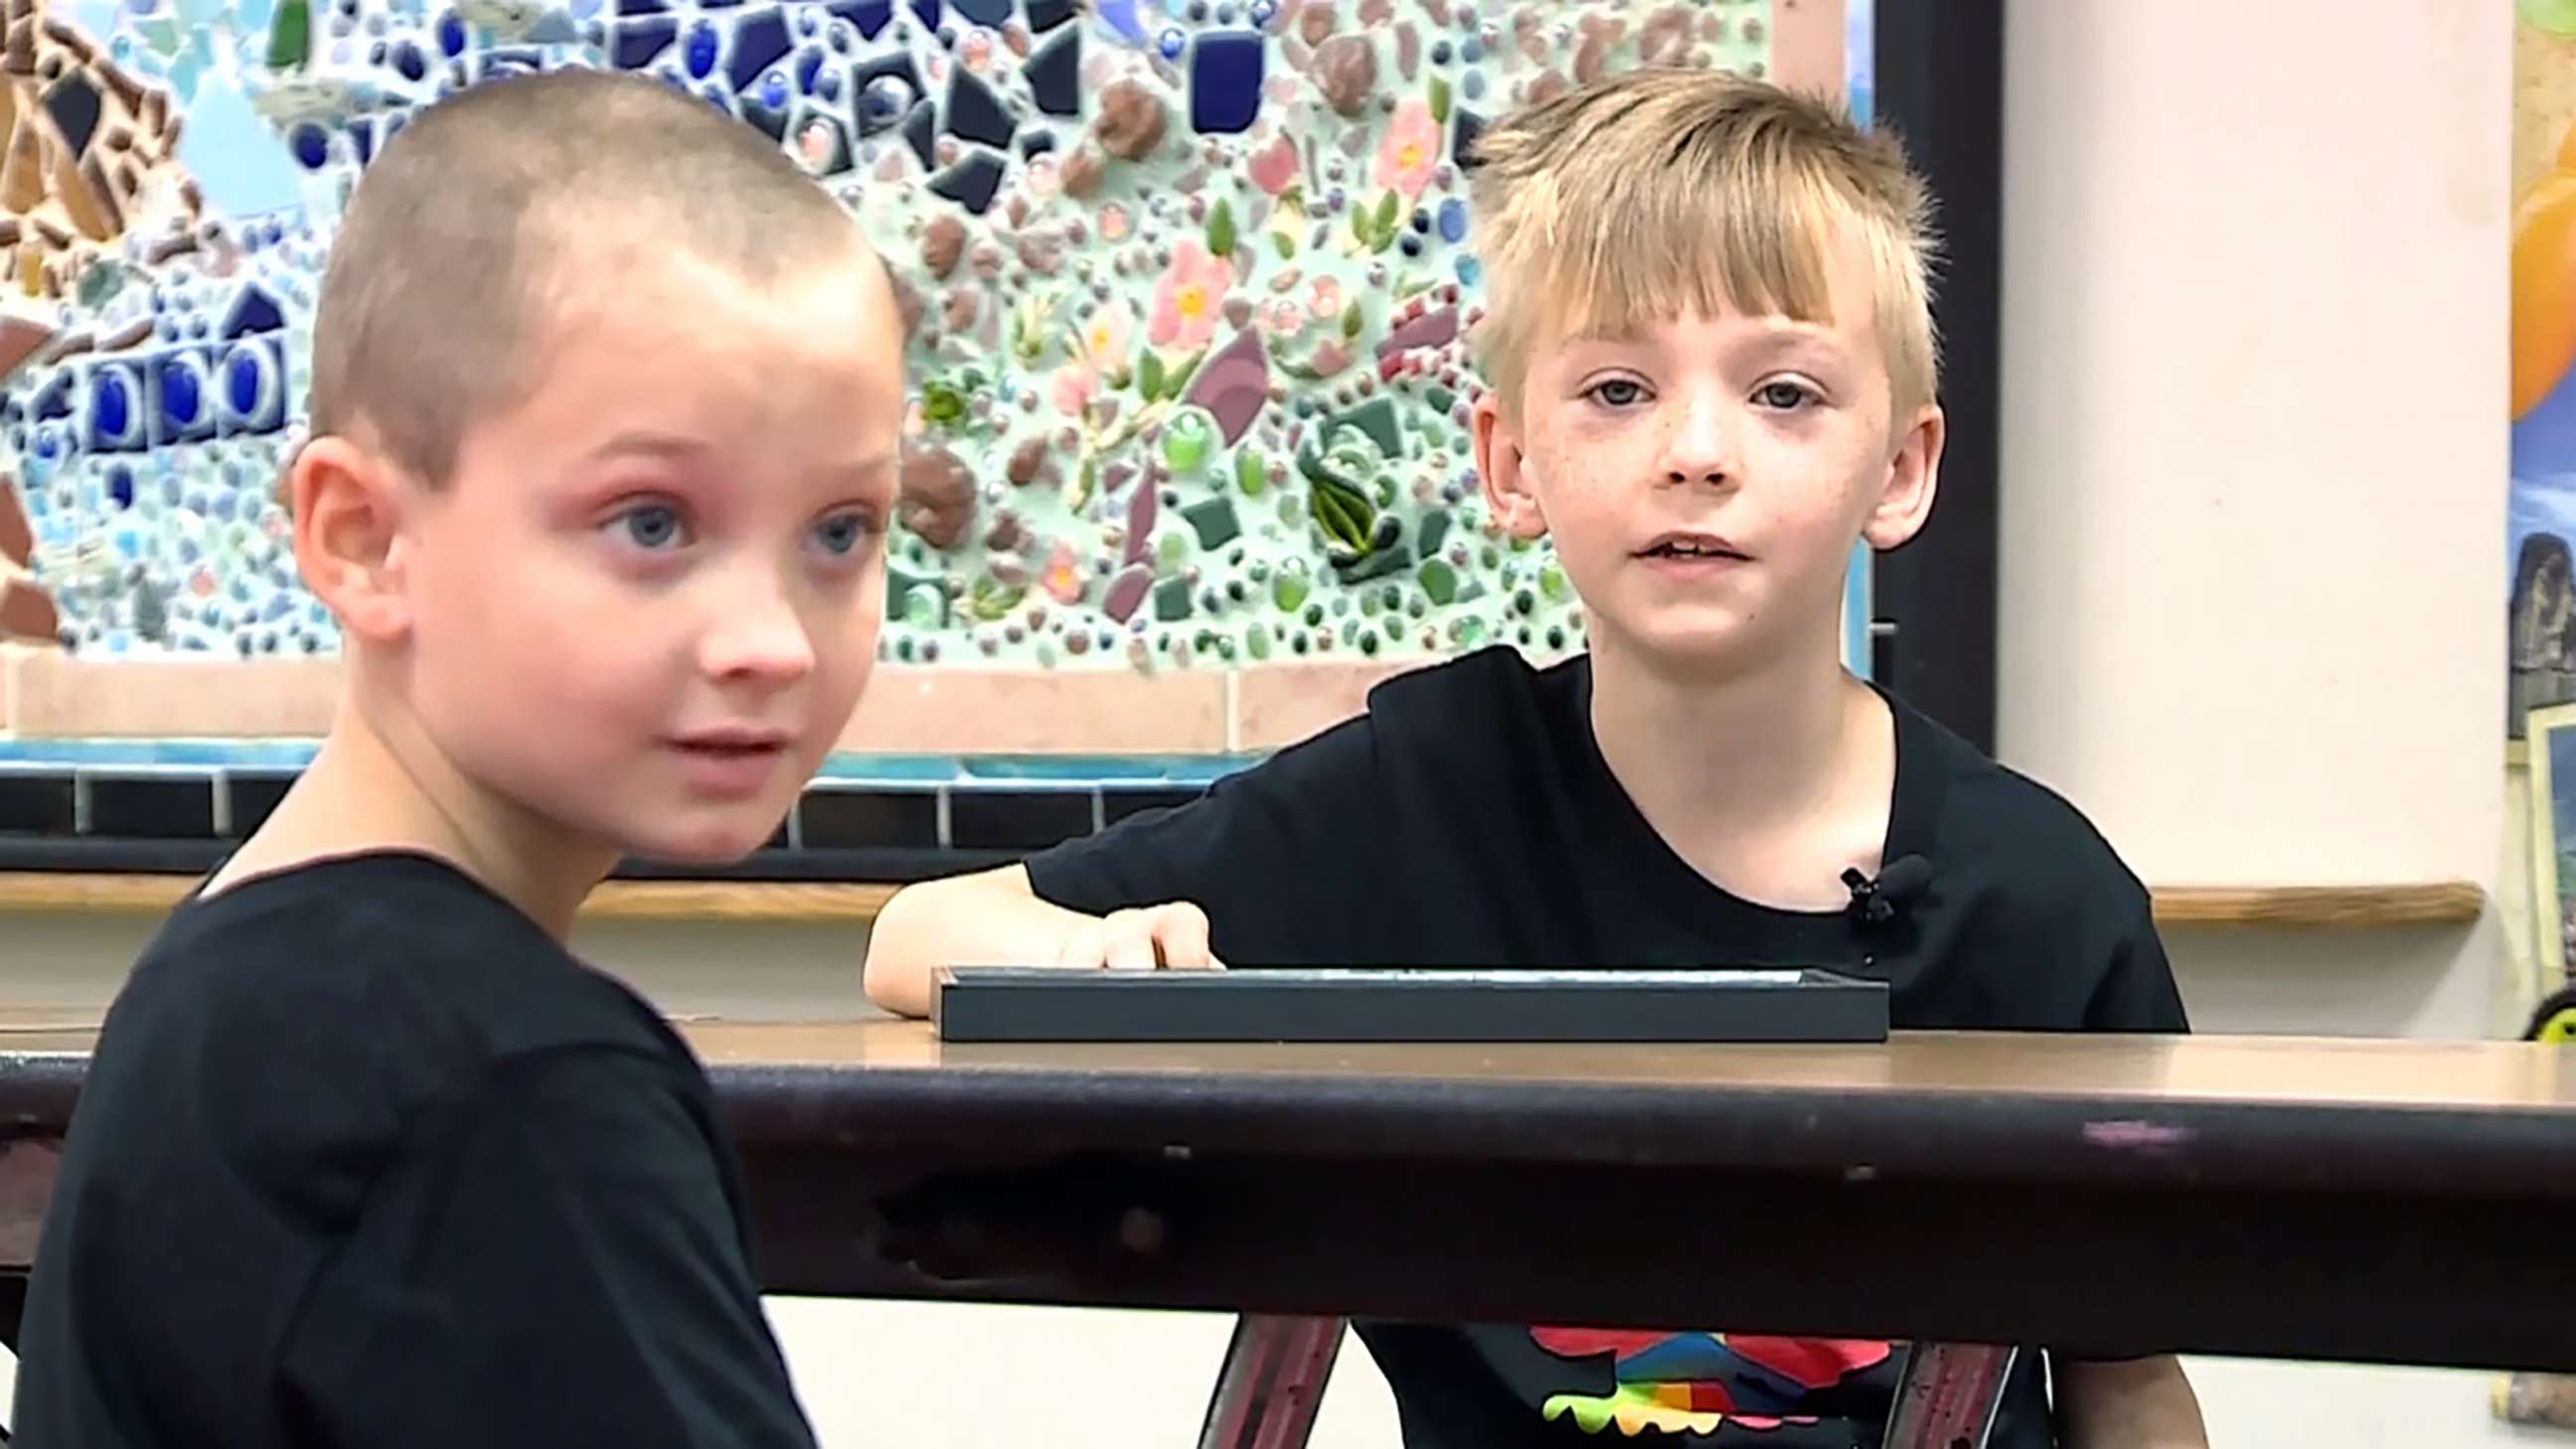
{"points": [[1016, 36], [1430, 330], [1238, 312], [1007, 533], [1130, 122], [959, 312], [1375, 14], [26, 614], [1529, 38], [1547, 87], [1042, 252], [1346, 72], [132, 334], [20, 337], [943, 241], [1315, 20], [1408, 50], [1143, 505], [1082, 172], [988, 260], [1017, 210], [1590, 56], [937, 500], [1126, 595], [1665, 37], [1028, 461], [1233, 385]]}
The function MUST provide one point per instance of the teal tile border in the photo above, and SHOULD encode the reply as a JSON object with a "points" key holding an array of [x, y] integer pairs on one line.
{"points": [[840, 771]]}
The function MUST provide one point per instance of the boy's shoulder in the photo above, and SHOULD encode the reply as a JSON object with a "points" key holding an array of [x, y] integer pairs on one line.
{"points": [[392, 972], [1426, 731], [1494, 675], [1968, 812]]}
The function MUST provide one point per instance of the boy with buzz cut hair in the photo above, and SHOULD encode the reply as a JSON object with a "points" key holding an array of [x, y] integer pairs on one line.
{"points": [[1711, 370], [606, 401]]}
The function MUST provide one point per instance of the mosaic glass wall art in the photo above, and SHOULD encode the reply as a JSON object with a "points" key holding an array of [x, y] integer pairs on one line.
{"points": [[1190, 280]]}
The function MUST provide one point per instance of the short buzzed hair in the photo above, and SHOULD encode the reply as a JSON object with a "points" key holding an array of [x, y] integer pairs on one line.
{"points": [[1621, 204], [460, 243]]}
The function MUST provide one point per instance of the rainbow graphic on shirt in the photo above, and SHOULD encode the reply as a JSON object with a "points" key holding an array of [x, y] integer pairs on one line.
{"points": [[1694, 1383]]}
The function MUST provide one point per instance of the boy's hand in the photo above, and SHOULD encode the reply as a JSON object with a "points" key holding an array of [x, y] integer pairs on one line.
{"points": [[1170, 937]]}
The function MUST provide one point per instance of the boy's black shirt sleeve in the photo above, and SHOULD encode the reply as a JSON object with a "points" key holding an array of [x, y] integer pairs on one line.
{"points": [[551, 1260], [2137, 992], [364, 1158], [1285, 858]]}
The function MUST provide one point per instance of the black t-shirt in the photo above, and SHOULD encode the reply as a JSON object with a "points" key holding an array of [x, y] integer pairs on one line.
{"points": [[366, 1158], [1468, 819]]}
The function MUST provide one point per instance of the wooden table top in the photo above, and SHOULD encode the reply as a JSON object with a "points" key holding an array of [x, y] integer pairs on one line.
{"points": [[2209, 1069], [2412, 1116]]}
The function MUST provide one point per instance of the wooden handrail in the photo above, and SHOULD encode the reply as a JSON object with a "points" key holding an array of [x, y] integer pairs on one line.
{"points": [[2357, 907]]}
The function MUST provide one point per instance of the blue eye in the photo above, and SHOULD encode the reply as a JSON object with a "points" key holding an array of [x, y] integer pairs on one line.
{"points": [[1617, 392], [843, 534], [1784, 396], [652, 525]]}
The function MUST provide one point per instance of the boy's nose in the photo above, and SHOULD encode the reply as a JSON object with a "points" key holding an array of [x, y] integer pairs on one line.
{"points": [[764, 641], [1700, 448]]}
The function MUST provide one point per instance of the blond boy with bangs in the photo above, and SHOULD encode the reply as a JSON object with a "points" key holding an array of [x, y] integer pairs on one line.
{"points": [[1711, 370]]}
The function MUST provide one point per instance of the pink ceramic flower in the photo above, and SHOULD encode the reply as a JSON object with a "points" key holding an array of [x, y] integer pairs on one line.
{"points": [[1325, 299], [1411, 150], [1274, 167], [1072, 386], [1063, 577], [1189, 298], [1286, 318], [1105, 338]]}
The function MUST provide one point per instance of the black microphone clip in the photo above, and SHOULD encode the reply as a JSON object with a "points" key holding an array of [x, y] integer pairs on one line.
{"points": [[1875, 900]]}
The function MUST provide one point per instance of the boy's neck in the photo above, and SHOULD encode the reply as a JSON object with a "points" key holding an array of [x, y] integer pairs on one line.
{"points": [[375, 787], [1769, 781]]}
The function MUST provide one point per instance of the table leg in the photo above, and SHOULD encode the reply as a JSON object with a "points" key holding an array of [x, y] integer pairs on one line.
{"points": [[1272, 1382]]}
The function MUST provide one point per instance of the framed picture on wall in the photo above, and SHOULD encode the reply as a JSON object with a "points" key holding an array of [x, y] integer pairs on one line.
{"points": [[1189, 464], [2551, 732]]}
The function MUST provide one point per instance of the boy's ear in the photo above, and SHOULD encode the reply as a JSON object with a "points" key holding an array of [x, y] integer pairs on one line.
{"points": [[1504, 469], [1913, 477], [348, 525]]}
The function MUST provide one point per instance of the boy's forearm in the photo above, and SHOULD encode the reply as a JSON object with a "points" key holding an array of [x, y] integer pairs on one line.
{"points": [[2140, 1404], [990, 918]]}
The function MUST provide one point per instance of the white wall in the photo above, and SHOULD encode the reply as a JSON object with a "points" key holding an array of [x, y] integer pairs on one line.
{"points": [[2254, 461], [2253, 514]]}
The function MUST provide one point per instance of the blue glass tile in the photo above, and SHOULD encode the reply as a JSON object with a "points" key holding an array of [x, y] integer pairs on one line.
{"points": [[1054, 74], [1225, 82]]}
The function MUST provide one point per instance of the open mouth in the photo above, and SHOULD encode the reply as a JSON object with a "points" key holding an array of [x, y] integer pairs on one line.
{"points": [[714, 751], [729, 745], [1691, 546]]}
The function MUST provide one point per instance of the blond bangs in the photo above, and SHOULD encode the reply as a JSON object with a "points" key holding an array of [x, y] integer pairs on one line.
{"points": [[1606, 212]]}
